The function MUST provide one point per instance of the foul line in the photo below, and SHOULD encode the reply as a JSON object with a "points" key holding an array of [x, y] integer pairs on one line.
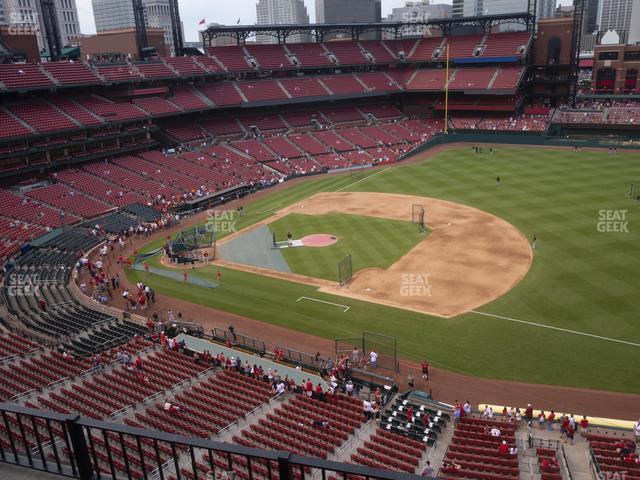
{"points": [[363, 179], [275, 205], [322, 301], [557, 328]]}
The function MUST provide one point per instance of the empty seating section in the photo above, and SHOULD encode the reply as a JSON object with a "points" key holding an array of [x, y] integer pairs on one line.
{"points": [[304, 87], [342, 84], [342, 114], [222, 94], [69, 73], [13, 344], [186, 98], [186, 133], [42, 116], [69, 200], [161, 175], [472, 78], [154, 70], [390, 451], [209, 64], [213, 179], [262, 90], [427, 79], [381, 134], [10, 126], [331, 139], [310, 54], [127, 179], [75, 110], [232, 57], [269, 56], [462, 46], [98, 188], [347, 52], [109, 110], [381, 110], [38, 372], [19, 231], [185, 66], [264, 122], [475, 450], [156, 106], [425, 49], [294, 166], [378, 81], [358, 138], [117, 73], [283, 147], [23, 76], [222, 126], [379, 50], [507, 78], [332, 160], [308, 143], [255, 149], [507, 44], [28, 210]]}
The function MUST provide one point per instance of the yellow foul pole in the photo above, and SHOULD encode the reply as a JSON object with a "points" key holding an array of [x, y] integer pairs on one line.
{"points": [[446, 96]]}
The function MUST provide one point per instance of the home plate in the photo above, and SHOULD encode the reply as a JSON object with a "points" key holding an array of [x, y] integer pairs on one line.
{"points": [[367, 289]]}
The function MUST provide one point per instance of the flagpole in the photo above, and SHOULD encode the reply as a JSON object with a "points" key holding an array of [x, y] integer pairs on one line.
{"points": [[446, 95]]}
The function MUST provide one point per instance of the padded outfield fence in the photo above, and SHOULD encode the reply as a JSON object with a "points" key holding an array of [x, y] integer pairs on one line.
{"points": [[86, 449]]}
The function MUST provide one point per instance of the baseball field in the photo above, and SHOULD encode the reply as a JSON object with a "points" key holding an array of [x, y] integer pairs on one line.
{"points": [[569, 315]]}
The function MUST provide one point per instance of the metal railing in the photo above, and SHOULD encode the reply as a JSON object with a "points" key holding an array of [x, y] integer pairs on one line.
{"points": [[88, 449], [239, 340]]}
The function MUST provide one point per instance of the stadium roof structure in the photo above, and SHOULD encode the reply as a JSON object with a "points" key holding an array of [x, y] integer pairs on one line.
{"points": [[318, 30]]}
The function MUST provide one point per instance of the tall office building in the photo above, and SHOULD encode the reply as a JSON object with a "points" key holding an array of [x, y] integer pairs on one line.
{"points": [[27, 12], [616, 15], [118, 14], [282, 12], [349, 11]]}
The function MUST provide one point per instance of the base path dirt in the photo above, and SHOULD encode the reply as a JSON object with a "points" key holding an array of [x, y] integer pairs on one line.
{"points": [[469, 259]]}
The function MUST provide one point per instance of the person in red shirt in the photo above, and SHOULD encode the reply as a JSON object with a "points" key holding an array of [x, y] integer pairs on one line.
{"points": [[550, 419], [319, 391], [584, 426], [309, 388], [424, 366], [410, 414], [528, 414], [503, 448], [151, 326], [185, 276]]}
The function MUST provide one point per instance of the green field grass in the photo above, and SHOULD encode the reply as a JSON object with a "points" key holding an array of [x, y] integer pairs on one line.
{"points": [[582, 280], [372, 242]]}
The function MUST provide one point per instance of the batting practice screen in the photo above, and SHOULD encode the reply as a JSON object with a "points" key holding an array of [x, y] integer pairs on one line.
{"points": [[417, 216], [345, 271]]}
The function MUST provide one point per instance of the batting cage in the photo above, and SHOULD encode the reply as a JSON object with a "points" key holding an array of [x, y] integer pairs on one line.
{"points": [[195, 244], [345, 270], [417, 216], [385, 346]]}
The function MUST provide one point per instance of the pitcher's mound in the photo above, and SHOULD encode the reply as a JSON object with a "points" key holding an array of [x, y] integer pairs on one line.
{"points": [[319, 240]]}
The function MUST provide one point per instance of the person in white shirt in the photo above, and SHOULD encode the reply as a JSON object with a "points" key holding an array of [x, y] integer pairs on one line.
{"points": [[487, 413], [636, 430], [368, 409], [495, 432], [373, 359], [467, 408], [280, 389]]}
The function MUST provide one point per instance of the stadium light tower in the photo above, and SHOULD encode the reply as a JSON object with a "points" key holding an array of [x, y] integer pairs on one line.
{"points": [[176, 28], [51, 29], [141, 28], [576, 34]]}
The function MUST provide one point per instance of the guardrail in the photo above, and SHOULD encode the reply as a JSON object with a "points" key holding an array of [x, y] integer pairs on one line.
{"points": [[91, 447], [239, 340]]}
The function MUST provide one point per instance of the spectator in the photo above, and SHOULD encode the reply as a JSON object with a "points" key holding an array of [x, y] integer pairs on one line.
{"points": [[503, 448], [528, 415], [410, 380], [550, 419], [636, 431], [368, 409], [466, 408], [427, 471], [487, 413], [495, 432], [584, 427], [373, 359], [424, 366], [541, 418]]}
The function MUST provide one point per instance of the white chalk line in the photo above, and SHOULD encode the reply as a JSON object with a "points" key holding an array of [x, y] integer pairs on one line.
{"points": [[323, 301], [363, 179], [542, 325], [275, 205]]}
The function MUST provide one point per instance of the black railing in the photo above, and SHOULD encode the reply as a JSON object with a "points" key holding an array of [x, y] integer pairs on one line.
{"points": [[295, 357], [89, 449], [238, 340]]}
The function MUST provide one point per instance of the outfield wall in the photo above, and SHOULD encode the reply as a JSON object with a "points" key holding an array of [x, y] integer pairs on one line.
{"points": [[520, 139]]}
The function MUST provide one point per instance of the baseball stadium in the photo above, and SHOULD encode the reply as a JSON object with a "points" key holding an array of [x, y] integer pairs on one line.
{"points": [[374, 254]]}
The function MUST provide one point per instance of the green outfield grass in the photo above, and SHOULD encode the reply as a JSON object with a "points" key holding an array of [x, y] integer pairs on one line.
{"points": [[582, 279], [372, 242]]}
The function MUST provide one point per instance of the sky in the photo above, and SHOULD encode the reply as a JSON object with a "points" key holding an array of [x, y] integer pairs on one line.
{"points": [[223, 12]]}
